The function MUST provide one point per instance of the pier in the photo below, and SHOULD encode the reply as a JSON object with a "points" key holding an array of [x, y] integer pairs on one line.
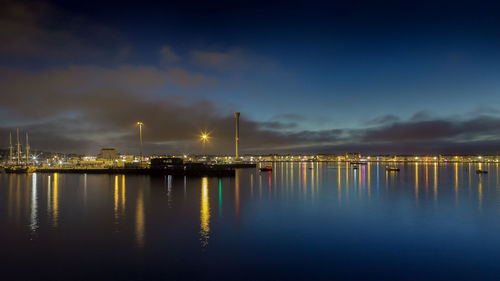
{"points": [[187, 169]]}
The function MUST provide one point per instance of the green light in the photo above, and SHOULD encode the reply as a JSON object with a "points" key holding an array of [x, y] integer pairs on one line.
{"points": [[220, 197]]}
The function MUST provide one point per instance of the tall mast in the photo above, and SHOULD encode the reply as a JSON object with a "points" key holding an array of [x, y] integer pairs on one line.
{"points": [[10, 148], [27, 150], [18, 147], [237, 137]]}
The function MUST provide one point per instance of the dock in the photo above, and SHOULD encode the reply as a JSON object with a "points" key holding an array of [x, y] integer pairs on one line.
{"points": [[184, 169]]}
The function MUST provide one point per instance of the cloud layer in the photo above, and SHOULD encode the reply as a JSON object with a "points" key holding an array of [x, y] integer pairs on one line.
{"points": [[72, 106], [39, 31], [83, 108]]}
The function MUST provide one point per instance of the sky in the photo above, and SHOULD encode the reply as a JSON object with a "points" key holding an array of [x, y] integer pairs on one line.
{"points": [[378, 77]]}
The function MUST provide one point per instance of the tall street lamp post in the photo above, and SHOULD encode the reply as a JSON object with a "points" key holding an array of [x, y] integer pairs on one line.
{"points": [[140, 124]]}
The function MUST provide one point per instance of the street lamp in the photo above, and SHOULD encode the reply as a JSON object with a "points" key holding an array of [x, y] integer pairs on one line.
{"points": [[204, 139], [140, 124]]}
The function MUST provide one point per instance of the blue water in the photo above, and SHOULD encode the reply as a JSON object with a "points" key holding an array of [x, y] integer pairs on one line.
{"points": [[303, 221]]}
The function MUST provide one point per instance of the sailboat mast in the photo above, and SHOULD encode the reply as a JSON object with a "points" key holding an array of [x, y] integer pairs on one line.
{"points": [[27, 150], [18, 147], [10, 148]]}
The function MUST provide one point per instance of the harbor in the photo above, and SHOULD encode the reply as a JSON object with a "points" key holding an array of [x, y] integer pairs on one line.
{"points": [[109, 161], [180, 169]]}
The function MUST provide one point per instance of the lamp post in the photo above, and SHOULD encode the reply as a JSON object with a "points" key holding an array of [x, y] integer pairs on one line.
{"points": [[237, 137], [140, 124], [204, 139]]}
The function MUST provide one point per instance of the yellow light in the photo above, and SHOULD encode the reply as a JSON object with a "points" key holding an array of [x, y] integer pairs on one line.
{"points": [[204, 137], [140, 123], [55, 202], [116, 196], [204, 213]]}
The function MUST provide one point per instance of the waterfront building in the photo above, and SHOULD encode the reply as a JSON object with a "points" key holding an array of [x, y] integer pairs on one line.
{"points": [[108, 154]]}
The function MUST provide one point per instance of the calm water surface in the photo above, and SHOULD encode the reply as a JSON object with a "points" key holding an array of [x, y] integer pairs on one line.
{"points": [[303, 221]]}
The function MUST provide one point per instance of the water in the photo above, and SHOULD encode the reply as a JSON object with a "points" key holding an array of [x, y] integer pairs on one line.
{"points": [[303, 221]]}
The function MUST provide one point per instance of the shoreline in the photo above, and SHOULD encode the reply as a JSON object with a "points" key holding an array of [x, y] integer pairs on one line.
{"points": [[226, 170]]}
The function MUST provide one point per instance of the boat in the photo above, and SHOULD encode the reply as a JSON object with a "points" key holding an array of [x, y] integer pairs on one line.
{"points": [[19, 169], [354, 167], [481, 172], [392, 169], [266, 169]]}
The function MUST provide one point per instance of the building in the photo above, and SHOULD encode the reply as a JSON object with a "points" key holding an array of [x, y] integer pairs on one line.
{"points": [[108, 154]]}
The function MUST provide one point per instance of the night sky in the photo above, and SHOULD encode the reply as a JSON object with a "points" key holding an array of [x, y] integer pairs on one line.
{"points": [[313, 76]]}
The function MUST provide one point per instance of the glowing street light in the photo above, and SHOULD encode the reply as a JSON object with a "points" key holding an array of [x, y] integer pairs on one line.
{"points": [[204, 139], [140, 124]]}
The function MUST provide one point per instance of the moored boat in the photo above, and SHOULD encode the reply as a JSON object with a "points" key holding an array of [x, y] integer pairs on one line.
{"points": [[19, 169], [266, 169], [392, 169], [481, 172]]}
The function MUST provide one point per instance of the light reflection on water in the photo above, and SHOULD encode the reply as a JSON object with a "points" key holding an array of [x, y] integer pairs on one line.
{"points": [[140, 217], [116, 197], [54, 199], [255, 217], [34, 205], [204, 213]]}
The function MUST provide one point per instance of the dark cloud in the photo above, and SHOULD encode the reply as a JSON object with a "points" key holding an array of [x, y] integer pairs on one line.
{"points": [[294, 117], [108, 102], [186, 79], [61, 135], [422, 115], [384, 119], [485, 109], [83, 108], [409, 148], [453, 131], [68, 89], [277, 125], [168, 55], [298, 119], [230, 60], [425, 130], [38, 30]]}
